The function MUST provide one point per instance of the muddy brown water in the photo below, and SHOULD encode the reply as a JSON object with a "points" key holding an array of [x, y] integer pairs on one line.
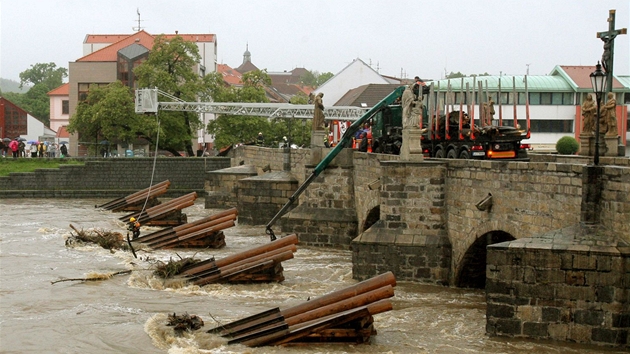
{"points": [[127, 313]]}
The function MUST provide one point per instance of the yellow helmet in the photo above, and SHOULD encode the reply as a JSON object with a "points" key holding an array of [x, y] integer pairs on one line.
{"points": [[132, 219]]}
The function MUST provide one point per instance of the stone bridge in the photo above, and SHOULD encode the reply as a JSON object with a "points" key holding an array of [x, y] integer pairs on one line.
{"points": [[418, 219]]}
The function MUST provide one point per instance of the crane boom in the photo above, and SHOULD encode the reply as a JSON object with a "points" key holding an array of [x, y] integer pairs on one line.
{"points": [[147, 102]]}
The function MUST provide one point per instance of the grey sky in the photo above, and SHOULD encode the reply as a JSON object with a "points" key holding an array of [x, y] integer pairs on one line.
{"points": [[424, 38]]}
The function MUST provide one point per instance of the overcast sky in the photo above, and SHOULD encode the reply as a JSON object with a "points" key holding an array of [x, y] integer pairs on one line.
{"points": [[424, 38]]}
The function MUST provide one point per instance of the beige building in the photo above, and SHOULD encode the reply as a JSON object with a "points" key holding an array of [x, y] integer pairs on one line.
{"points": [[108, 58]]}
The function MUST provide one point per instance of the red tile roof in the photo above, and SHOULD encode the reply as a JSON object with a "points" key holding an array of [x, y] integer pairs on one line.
{"points": [[63, 90], [62, 132], [104, 38], [110, 53], [230, 76], [580, 75], [143, 38]]}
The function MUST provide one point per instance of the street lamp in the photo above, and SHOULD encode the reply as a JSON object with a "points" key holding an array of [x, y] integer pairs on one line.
{"points": [[598, 80]]}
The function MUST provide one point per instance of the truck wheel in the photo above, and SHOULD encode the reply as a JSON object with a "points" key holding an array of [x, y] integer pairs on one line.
{"points": [[439, 154], [452, 154], [464, 154]]}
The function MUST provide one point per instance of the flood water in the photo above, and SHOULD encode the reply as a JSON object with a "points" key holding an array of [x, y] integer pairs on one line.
{"points": [[127, 313]]}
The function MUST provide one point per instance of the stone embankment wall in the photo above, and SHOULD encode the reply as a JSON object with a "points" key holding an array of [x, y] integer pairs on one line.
{"points": [[561, 286], [106, 178]]}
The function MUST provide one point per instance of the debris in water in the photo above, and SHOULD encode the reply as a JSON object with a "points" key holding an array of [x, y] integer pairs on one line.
{"points": [[93, 277], [184, 322], [107, 239]]}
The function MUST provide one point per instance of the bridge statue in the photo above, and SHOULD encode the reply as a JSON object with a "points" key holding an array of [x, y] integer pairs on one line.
{"points": [[318, 115], [609, 115], [588, 115]]}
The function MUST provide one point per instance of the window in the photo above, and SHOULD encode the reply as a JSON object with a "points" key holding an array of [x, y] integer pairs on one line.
{"points": [[65, 107], [556, 98], [567, 98], [534, 98], [544, 126], [545, 98]]}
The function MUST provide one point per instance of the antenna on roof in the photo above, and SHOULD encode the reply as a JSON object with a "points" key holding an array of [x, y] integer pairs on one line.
{"points": [[138, 29]]}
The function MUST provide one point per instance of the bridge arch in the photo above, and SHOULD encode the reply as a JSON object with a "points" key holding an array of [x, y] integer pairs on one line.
{"points": [[470, 251], [372, 217], [472, 268]]}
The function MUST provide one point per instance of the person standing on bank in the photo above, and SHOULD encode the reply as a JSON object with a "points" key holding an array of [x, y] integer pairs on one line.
{"points": [[260, 139], [63, 150], [13, 145]]}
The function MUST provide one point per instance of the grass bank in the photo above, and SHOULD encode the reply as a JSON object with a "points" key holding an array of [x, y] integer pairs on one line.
{"points": [[8, 164]]}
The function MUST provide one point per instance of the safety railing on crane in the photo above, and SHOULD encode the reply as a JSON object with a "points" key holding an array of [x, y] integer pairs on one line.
{"points": [[147, 102]]}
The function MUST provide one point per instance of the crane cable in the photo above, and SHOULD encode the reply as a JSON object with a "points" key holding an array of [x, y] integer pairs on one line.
{"points": [[157, 143]]}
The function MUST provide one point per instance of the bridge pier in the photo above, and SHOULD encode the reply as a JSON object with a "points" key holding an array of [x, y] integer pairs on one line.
{"points": [[569, 284], [410, 238], [326, 216]]}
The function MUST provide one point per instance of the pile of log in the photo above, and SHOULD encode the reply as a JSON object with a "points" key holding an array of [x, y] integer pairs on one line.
{"points": [[342, 316], [168, 213], [136, 201], [259, 264], [203, 233]]}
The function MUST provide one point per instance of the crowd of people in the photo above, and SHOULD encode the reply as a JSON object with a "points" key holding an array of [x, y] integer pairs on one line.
{"points": [[16, 148]]}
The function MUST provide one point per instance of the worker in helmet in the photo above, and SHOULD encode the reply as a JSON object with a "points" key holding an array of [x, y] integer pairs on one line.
{"points": [[134, 227], [260, 139]]}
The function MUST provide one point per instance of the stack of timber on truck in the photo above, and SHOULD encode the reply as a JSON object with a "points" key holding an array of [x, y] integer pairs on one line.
{"points": [[168, 213], [449, 127], [203, 233], [342, 316], [259, 264], [135, 201]]}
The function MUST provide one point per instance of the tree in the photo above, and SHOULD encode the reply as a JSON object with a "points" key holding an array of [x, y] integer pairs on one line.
{"points": [[44, 73], [322, 78], [314, 78], [170, 67], [229, 130], [108, 113]]}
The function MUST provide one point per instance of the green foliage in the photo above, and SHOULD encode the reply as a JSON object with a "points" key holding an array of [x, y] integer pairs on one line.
{"points": [[567, 145], [44, 73], [7, 85], [323, 77], [170, 67], [108, 113], [299, 98], [36, 102], [458, 74], [314, 78], [9, 165], [229, 130]]}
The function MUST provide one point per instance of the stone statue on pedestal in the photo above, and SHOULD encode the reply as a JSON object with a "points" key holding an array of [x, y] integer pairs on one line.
{"points": [[588, 115], [318, 115], [609, 115]]}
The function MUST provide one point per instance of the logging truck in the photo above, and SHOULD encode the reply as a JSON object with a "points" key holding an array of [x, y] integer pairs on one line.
{"points": [[449, 131]]}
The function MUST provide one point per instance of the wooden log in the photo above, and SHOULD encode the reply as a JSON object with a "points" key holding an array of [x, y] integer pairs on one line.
{"points": [[181, 228], [272, 259], [376, 282], [281, 242], [173, 204], [331, 321], [143, 192], [334, 297], [172, 234], [344, 305], [338, 307], [172, 242], [192, 272]]}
